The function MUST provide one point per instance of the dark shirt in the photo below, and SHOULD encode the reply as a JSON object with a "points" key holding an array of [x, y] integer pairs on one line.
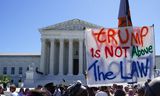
{"points": [[119, 93]]}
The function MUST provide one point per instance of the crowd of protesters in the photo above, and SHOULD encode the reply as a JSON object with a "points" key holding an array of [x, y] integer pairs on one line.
{"points": [[150, 88]]}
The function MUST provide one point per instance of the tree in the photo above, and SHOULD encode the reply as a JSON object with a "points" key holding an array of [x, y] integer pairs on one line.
{"points": [[4, 79]]}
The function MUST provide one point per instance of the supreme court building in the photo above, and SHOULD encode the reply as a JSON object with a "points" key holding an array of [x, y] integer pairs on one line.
{"points": [[62, 59], [63, 51]]}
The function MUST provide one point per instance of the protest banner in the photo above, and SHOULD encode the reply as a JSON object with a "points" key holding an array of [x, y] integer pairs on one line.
{"points": [[125, 54]]}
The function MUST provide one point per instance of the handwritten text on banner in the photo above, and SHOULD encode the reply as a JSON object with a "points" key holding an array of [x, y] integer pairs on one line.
{"points": [[119, 55]]}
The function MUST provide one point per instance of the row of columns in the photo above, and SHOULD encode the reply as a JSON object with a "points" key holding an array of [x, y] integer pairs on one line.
{"points": [[61, 56]]}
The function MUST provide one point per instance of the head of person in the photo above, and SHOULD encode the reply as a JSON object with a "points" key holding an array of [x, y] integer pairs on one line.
{"points": [[79, 82], [39, 87], [130, 92], [119, 87], [26, 91], [114, 86], [111, 90], [50, 87], [21, 90], [12, 88], [126, 88], [148, 80], [152, 88], [103, 88], [119, 91], [140, 91]]}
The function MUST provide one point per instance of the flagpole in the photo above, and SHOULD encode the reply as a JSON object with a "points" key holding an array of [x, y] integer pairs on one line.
{"points": [[127, 26], [127, 20], [126, 13], [154, 68]]}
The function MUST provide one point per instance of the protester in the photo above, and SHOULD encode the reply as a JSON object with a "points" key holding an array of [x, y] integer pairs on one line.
{"points": [[26, 92], [50, 87], [152, 88], [39, 87], [92, 91], [119, 91], [101, 92], [77, 89], [38, 93], [130, 92], [13, 90], [114, 88], [57, 92], [107, 90], [1, 90], [21, 92], [111, 91], [126, 89]]}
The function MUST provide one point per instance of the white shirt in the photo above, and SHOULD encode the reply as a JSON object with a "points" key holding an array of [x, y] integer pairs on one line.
{"points": [[14, 94], [101, 93]]}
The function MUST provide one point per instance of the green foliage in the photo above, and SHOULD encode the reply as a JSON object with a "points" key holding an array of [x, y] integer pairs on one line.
{"points": [[4, 79]]}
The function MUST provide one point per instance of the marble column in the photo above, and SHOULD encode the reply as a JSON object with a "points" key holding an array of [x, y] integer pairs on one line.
{"points": [[80, 56], [70, 57], [43, 55], [61, 56], [52, 47], [47, 58]]}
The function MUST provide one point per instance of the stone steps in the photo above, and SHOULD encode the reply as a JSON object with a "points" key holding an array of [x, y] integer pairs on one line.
{"points": [[57, 79]]}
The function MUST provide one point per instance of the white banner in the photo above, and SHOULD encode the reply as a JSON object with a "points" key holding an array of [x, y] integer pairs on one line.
{"points": [[119, 55]]}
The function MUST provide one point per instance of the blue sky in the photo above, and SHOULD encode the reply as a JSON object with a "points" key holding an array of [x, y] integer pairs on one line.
{"points": [[21, 19]]}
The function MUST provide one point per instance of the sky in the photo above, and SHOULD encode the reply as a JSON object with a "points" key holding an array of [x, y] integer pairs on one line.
{"points": [[21, 19]]}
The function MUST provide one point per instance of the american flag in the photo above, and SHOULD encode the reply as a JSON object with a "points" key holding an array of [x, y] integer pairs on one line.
{"points": [[124, 17]]}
